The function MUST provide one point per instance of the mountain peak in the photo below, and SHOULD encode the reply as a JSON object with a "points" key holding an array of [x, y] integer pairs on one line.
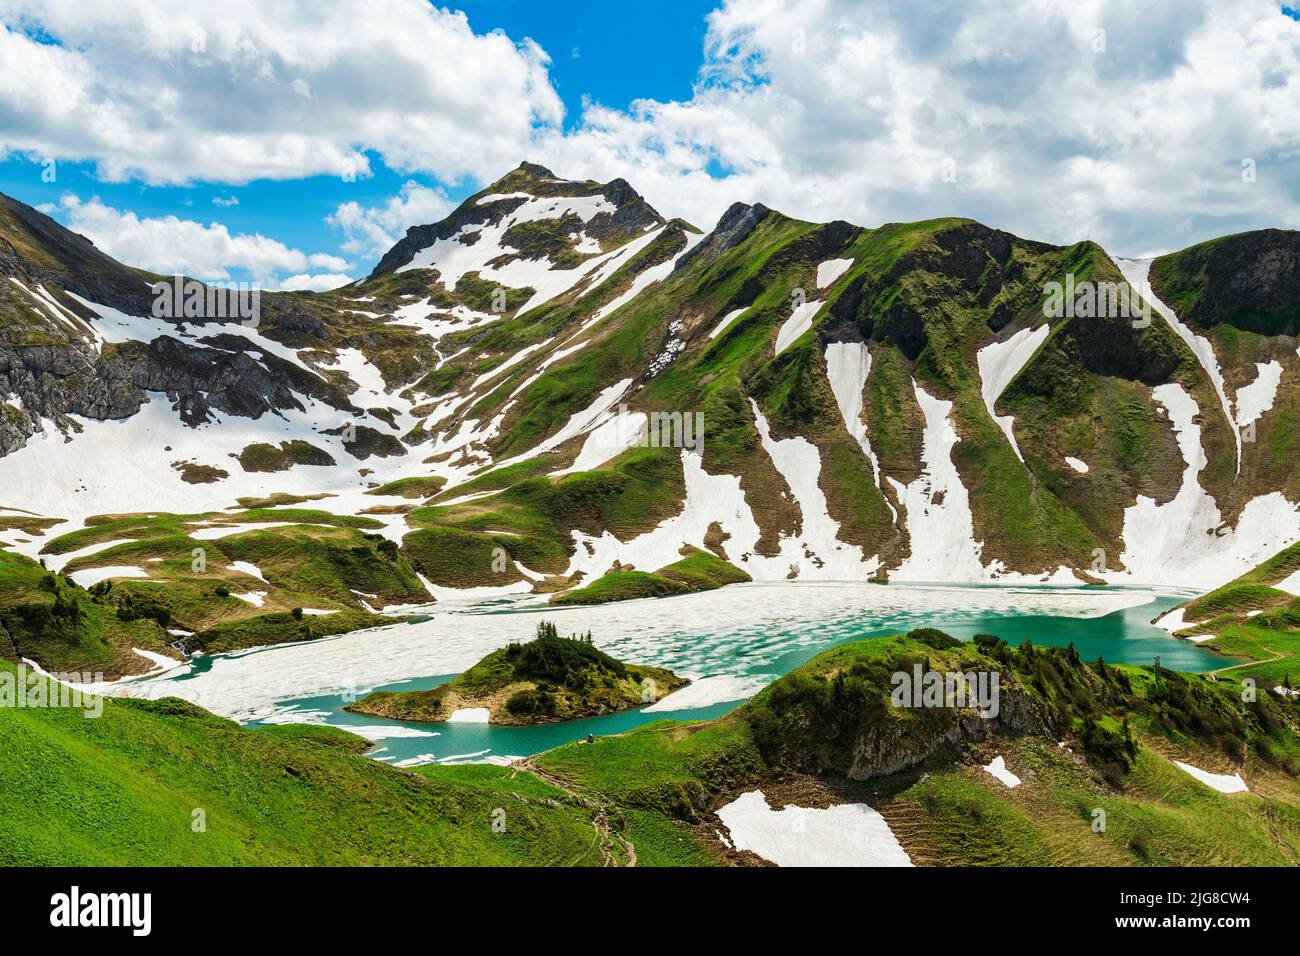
{"points": [[526, 174], [532, 214]]}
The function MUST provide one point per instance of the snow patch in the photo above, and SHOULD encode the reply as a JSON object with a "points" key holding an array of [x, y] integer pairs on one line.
{"points": [[799, 463], [57, 562], [578, 422], [937, 506], [1255, 399], [245, 567], [800, 321], [1290, 584], [1175, 621], [1222, 782], [419, 760], [848, 364], [998, 768], [643, 279], [830, 270], [727, 320], [497, 197], [380, 732], [453, 258], [1183, 542], [1080, 466], [1136, 272], [614, 435], [709, 498], [216, 531], [1001, 362], [88, 577], [851, 834], [705, 691], [506, 365]]}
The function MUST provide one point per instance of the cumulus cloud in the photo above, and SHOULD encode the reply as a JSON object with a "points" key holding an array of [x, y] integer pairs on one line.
{"points": [[173, 246], [1056, 119], [372, 230], [322, 282], [244, 90]]}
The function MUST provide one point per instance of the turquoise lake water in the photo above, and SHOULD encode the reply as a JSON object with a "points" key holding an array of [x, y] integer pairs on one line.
{"points": [[756, 651]]}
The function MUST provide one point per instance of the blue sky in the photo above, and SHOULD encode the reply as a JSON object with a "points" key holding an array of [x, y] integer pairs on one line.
{"points": [[612, 53], [1129, 125]]}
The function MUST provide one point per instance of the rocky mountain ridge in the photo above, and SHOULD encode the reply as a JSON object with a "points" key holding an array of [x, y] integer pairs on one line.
{"points": [[504, 399]]}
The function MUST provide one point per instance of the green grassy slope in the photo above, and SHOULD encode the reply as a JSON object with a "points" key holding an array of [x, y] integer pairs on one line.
{"points": [[47, 618], [123, 789], [1250, 618], [312, 559], [799, 741], [696, 571], [1242, 292], [925, 298]]}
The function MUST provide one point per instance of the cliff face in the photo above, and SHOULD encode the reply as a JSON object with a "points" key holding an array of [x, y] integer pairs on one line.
{"points": [[885, 747], [850, 722]]}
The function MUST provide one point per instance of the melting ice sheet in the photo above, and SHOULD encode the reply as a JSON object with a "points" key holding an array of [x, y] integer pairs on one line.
{"points": [[751, 632]]}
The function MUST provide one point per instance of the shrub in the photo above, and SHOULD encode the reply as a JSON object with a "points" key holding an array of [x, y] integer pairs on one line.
{"points": [[531, 703], [549, 657], [933, 637]]}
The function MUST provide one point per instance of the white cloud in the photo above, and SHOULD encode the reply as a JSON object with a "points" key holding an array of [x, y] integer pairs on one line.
{"points": [[824, 109], [322, 282], [170, 246], [244, 90], [851, 109], [373, 230]]}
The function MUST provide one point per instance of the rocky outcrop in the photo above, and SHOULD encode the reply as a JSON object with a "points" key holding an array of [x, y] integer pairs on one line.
{"points": [[732, 229], [855, 731], [885, 747]]}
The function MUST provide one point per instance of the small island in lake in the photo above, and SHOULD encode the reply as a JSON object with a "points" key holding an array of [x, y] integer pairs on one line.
{"points": [[548, 679]]}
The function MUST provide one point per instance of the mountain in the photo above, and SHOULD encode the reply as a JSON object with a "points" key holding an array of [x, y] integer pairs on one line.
{"points": [[557, 390]]}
